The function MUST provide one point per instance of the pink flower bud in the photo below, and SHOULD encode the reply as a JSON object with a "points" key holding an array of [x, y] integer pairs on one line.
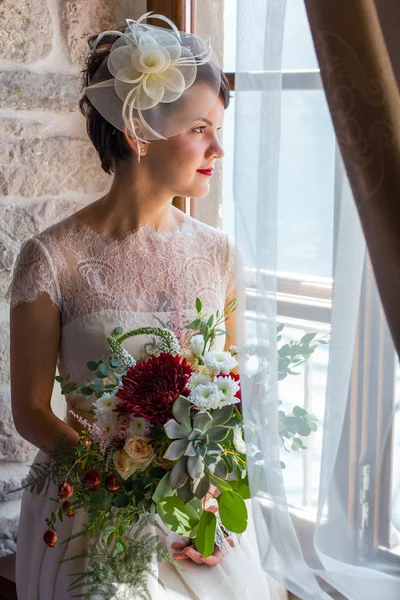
{"points": [[91, 479], [68, 509], [65, 490], [50, 538], [112, 483]]}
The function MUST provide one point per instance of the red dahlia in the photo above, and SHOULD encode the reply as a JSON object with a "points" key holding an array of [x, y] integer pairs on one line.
{"points": [[151, 387]]}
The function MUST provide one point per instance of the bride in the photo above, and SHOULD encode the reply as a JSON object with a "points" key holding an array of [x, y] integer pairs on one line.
{"points": [[154, 100]]}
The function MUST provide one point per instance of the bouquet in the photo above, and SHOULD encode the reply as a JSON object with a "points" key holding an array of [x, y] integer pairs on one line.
{"points": [[166, 439]]}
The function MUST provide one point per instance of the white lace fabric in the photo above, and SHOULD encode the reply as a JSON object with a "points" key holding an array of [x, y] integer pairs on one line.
{"points": [[84, 271]]}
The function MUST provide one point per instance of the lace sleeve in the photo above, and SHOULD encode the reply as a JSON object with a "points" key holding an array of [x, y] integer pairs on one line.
{"points": [[33, 275]]}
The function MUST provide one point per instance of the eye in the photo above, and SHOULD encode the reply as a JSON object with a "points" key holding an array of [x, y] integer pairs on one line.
{"points": [[199, 129]]}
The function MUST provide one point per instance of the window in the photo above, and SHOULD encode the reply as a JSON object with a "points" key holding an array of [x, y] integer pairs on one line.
{"points": [[310, 180]]}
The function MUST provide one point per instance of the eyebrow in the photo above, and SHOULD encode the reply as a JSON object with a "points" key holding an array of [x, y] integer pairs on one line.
{"points": [[205, 120]]}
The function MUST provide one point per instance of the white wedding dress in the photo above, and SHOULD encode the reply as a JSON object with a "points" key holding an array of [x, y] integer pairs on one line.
{"points": [[98, 283]]}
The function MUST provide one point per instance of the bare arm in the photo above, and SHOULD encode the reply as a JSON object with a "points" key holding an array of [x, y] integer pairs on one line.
{"points": [[35, 333], [230, 323]]}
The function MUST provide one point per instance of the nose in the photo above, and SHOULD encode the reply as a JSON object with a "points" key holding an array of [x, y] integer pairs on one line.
{"points": [[215, 149]]}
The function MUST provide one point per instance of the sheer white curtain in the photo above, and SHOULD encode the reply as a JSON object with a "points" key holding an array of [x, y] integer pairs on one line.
{"points": [[329, 555]]}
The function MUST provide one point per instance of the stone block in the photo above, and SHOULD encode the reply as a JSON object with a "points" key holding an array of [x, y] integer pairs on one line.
{"points": [[28, 90], [26, 30], [11, 477], [9, 520], [12, 446], [21, 221], [34, 163]]}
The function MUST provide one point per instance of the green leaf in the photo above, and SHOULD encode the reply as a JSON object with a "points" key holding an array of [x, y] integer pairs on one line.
{"points": [[242, 488], [86, 391], [70, 387], [299, 412], [306, 339], [205, 534], [222, 485], [92, 366], [163, 488], [104, 370], [176, 516], [59, 378], [313, 426], [233, 511], [210, 321], [199, 305], [121, 500]]}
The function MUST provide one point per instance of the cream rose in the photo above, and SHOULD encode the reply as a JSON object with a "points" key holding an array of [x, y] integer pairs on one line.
{"points": [[123, 464], [160, 461], [140, 451]]}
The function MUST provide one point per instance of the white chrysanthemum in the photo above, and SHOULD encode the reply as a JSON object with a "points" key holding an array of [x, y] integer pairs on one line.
{"points": [[103, 411], [238, 440], [207, 397], [197, 379], [197, 344], [219, 361], [229, 387], [138, 427]]}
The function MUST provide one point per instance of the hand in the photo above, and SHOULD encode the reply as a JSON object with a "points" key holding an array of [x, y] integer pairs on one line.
{"points": [[188, 552]]}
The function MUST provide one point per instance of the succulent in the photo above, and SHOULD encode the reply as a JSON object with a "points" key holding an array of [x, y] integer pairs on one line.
{"points": [[195, 446]]}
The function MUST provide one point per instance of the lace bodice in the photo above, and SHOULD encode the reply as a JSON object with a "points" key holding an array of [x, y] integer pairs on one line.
{"points": [[99, 282]]}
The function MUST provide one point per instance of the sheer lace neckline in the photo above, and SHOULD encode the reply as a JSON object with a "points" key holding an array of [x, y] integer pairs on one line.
{"points": [[145, 230]]}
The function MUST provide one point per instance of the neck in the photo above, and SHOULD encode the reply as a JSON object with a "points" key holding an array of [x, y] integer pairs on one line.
{"points": [[133, 200]]}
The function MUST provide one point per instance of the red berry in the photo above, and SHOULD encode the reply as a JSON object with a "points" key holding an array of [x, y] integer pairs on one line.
{"points": [[50, 538], [68, 509], [91, 479], [65, 490], [112, 483]]}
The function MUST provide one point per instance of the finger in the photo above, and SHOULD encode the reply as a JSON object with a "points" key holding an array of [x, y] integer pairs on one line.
{"points": [[230, 542], [212, 508], [180, 543], [180, 556], [215, 558], [194, 555]]}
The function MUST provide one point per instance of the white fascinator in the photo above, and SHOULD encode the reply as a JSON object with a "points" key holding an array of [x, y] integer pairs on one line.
{"points": [[167, 79]]}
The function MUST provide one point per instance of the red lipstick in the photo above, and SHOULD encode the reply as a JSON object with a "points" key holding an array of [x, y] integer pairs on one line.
{"points": [[207, 172]]}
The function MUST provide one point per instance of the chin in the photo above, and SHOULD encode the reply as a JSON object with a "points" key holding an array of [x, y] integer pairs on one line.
{"points": [[196, 191]]}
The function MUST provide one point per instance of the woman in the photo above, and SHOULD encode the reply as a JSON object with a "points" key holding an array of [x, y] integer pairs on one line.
{"points": [[126, 260]]}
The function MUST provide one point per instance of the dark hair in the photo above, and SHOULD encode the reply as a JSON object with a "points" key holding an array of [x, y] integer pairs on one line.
{"points": [[109, 141]]}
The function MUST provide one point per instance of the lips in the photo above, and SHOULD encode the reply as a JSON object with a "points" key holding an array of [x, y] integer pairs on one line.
{"points": [[208, 172]]}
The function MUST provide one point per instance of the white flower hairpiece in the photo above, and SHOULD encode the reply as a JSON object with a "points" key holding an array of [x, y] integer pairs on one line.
{"points": [[152, 67]]}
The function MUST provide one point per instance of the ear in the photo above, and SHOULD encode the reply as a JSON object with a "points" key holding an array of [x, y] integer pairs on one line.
{"points": [[139, 148]]}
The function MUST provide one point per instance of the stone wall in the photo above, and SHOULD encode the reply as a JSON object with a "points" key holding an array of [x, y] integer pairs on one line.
{"points": [[48, 168]]}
